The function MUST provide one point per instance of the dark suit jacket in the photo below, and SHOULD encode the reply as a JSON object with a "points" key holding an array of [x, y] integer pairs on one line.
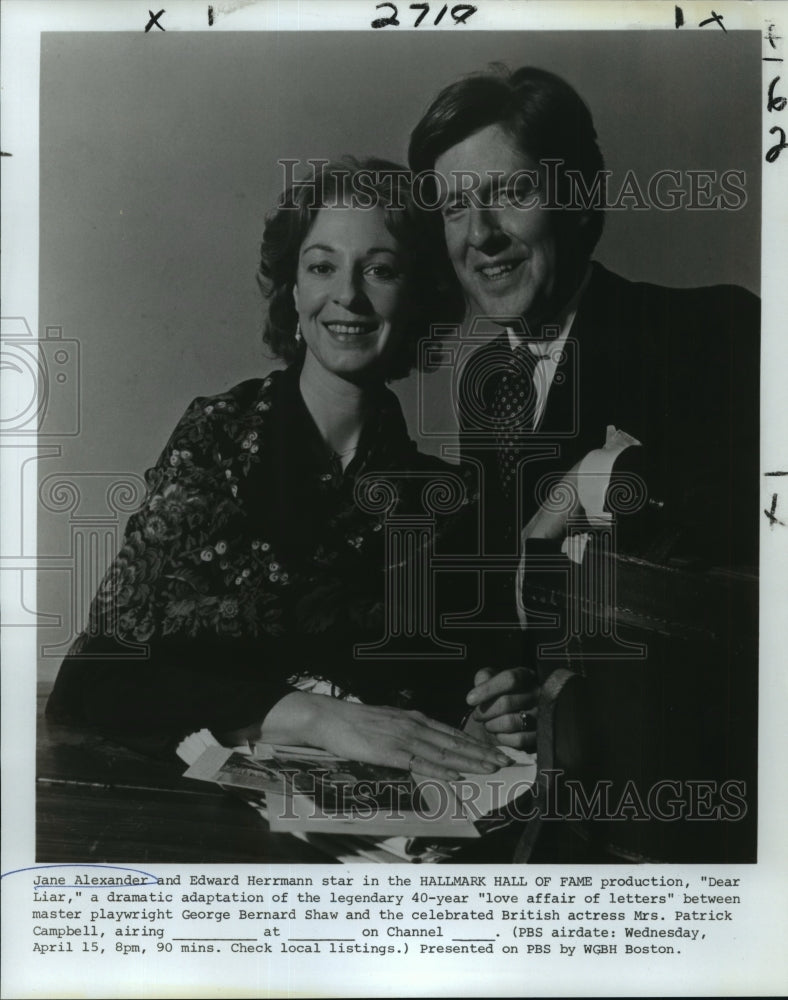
{"points": [[678, 369]]}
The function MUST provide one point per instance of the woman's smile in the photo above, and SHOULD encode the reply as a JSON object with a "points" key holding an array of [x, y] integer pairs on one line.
{"points": [[350, 331]]}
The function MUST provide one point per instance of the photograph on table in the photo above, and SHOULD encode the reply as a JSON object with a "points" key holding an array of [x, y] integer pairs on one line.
{"points": [[410, 434]]}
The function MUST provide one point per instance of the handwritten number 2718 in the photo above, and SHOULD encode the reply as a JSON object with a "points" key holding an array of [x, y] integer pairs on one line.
{"points": [[459, 13]]}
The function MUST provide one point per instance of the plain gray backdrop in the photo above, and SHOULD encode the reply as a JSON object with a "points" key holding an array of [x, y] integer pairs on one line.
{"points": [[159, 161]]}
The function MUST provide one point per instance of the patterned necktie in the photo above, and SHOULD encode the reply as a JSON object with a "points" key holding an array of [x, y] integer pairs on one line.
{"points": [[514, 413]]}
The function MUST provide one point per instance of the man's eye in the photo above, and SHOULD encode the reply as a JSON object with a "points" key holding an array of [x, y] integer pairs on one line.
{"points": [[455, 207], [523, 189]]}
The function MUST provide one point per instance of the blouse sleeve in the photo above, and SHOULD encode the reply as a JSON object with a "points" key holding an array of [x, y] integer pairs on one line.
{"points": [[163, 653]]}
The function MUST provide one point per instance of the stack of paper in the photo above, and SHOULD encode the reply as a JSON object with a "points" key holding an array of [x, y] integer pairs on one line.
{"points": [[366, 809]]}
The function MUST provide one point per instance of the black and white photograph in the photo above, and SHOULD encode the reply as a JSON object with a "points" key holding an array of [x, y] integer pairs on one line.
{"points": [[392, 443]]}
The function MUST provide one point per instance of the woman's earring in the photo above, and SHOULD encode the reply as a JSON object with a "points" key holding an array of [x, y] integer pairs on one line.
{"points": [[298, 336]]}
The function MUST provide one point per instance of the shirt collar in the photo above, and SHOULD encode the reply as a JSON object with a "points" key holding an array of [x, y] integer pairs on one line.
{"points": [[384, 438], [564, 320]]}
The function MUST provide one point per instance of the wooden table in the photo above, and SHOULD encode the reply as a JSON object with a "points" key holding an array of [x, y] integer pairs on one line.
{"points": [[101, 802], [97, 801]]}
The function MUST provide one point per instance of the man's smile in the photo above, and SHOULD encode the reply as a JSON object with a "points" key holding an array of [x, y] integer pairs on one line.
{"points": [[499, 270]]}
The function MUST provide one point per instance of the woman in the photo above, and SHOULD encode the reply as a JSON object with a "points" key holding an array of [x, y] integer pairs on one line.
{"points": [[255, 566]]}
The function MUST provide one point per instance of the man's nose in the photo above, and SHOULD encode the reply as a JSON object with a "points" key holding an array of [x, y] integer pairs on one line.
{"points": [[484, 230]]}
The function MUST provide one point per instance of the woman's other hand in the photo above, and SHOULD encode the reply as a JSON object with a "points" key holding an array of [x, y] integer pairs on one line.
{"points": [[504, 707], [406, 739], [375, 734]]}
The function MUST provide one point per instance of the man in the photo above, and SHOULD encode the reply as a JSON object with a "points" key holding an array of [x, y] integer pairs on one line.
{"points": [[586, 375]]}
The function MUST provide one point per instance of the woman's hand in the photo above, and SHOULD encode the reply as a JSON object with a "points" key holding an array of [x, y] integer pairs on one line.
{"points": [[376, 735], [505, 707], [405, 739]]}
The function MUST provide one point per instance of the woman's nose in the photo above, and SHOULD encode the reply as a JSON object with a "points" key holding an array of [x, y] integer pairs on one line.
{"points": [[348, 291]]}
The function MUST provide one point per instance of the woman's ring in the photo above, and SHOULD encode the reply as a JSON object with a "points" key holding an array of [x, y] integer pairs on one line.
{"points": [[413, 756], [525, 720]]}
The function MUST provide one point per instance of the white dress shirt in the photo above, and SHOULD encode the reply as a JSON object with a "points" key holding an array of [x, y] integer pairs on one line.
{"points": [[549, 350]]}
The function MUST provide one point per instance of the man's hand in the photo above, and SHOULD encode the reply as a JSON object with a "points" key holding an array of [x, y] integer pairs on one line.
{"points": [[505, 707]]}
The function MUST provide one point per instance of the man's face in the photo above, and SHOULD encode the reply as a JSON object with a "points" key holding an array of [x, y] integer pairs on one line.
{"points": [[504, 254]]}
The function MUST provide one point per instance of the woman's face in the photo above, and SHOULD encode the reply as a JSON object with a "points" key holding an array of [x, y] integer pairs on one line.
{"points": [[350, 292]]}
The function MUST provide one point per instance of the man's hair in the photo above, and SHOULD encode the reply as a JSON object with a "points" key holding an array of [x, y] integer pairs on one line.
{"points": [[545, 116]]}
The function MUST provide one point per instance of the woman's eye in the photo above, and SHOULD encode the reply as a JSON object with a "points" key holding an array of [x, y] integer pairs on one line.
{"points": [[384, 271], [321, 267]]}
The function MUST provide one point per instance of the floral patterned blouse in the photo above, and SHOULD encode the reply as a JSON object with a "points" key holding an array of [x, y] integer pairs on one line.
{"points": [[256, 561]]}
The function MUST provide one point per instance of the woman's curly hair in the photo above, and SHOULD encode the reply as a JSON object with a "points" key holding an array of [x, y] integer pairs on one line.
{"points": [[367, 183]]}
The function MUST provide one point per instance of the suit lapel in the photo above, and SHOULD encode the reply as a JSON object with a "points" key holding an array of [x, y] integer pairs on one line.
{"points": [[581, 398]]}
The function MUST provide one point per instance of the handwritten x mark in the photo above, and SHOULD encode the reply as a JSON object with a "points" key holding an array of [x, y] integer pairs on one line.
{"points": [[770, 513], [154, 19], [710, 20]]}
